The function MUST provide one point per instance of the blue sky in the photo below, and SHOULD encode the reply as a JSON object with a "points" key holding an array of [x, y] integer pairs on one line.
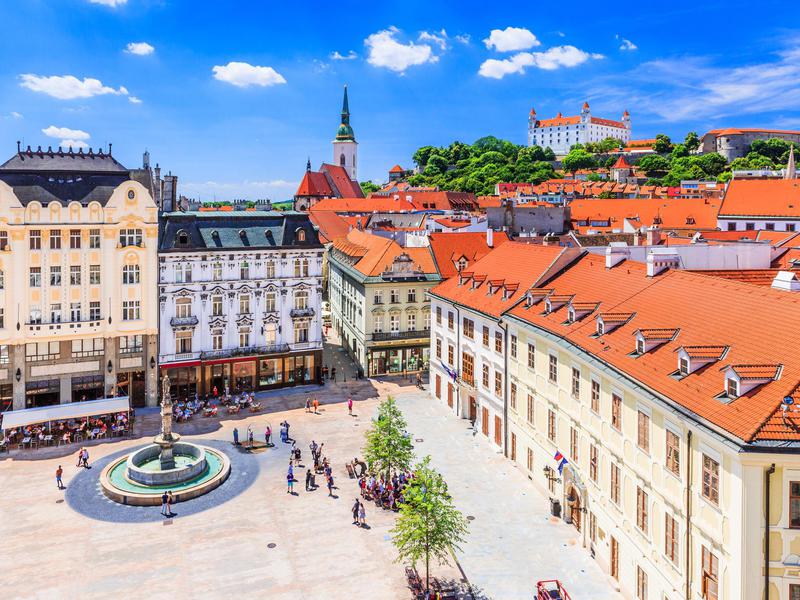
{"points": [[234, 96]]}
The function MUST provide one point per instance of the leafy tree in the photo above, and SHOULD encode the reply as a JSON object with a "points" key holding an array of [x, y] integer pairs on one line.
{"points": [[388, 446], [578, 159], [492, 158], [602, 147], [438, 161], [679, 151], [653, 165], [368, 187], [692, 141], [458, 151], [421, 155], [594, 177], [713, 164], [532, 153], [549, 154], [662, 144], [429, 525], [605, 195]]}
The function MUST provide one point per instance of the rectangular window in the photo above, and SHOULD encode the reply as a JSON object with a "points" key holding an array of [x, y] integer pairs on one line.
{"points": [[94, 238], [412, 295], [794, 588], [710, 479], [732, 388], [377, 297], [576, 383], [35, 239], [709, 575], [468, 368], [216, 339], [394, 325], [498, 342], [485, 336], [75, 239], [75, 312], [573, 444], [643, 432], [94, 274], [794, 504], [131, 310], [55, 275], [593, 462], [530, 460], [614, 483], [75, 275], [683, 366], [791, 227], [216, 306], [438, 348], [438, 315], [130, 274], [94, 311], [673, 453], [485, 378], [498, 384], [530, 409], [130, 344], [531, 356], [55, 239], [244, 337], [641, 510], [183, 308], [394, 298], [553, 372], [469, 328], [450, 354], [3, 240], [130, 237], [641, 584], [513, 349], [183, 342], [595, 396], [35, 277], [244, 270], [671, 538], [301, 331], [244, 304], [513, 393], [450, 320], [593, 527], [183, 272], [551, 425], [216, 271], [616, 412]]}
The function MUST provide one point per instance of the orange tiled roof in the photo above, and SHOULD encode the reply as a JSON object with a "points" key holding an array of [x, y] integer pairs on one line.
{"points": [[761, 198], [396, 169], [329, 223], [621, 163], [375, 253], [364, 205], [762, 277], [705, 352], [449, 247], [740, 130], [677, 213]]}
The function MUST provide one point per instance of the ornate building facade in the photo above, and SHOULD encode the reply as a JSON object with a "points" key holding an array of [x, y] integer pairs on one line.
{"points": [[560, 133], [78, 241], [240, 301]]}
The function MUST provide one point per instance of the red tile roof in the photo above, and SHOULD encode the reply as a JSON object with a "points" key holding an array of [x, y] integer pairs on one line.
{"points": [[375, 254], [448, 248], [678, 213], [621, 163], [740, 130], [761, 198], [314, 183], [331, 181], [763, 277], [364, 205], [329, 223], [396, 169]]}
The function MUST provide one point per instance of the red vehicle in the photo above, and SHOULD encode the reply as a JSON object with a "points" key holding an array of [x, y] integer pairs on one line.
{"points": [[551, 589]]}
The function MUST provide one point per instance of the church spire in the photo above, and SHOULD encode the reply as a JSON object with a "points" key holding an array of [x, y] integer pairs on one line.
{"points": [[345, 131], [790, 168], [345, 107]]}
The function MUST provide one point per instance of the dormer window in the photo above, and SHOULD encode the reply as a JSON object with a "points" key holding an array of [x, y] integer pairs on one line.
{"points": [[571, 315], [182, 239], [741, 379], [300, 234], [648, 339], [601, 329], [640, 346], [683, 366], [692, 358], [732, 387]]}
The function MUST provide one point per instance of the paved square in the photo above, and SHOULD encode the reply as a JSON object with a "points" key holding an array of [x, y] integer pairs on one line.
{"points": [[49, 550]]}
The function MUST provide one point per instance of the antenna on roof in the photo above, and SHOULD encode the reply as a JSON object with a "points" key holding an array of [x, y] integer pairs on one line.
{"points": [[785, 404], [18, 148]]}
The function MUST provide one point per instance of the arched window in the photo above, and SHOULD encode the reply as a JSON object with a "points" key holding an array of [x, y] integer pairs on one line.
{"points": [[300, 235], [130, 274], [182, 239], [341, 159]]}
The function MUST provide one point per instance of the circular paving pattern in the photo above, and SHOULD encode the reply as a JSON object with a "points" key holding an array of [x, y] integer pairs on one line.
{"points": [[85, 495]]}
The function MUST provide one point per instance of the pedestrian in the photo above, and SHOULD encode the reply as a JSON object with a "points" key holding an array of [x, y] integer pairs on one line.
{"points": [[355, 512], [350, 406], [308, 404], [308, 480], [164, 504], [316, 406], [235, 436], [215, 391], [333, 374], [268, 435], [59, 472], [80, 457], [170, 500], [362, 515], [289, 480], [330, 485], [85, 458]]}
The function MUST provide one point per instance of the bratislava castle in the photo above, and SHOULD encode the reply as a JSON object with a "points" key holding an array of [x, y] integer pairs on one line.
{"points": [[561, 133]]}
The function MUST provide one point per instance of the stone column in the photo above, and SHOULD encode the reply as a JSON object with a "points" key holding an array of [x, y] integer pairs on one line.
{"points": [[65, 391], [18, 362], [110, 379], [151, 375]]}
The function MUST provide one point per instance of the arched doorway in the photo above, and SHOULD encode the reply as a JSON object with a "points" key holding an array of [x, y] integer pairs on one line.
{"points": [[574, 505]]}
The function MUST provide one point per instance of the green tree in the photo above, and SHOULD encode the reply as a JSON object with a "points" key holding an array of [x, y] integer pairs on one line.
{"points": [[429, 525], [654, 165], [594, 177], [421, 155], [713, 164], [679, 151], [549, 154], [387, 448], [368, 187], [438, 161], [458, 151], [692, 141], [663, 144], [578, 159]]}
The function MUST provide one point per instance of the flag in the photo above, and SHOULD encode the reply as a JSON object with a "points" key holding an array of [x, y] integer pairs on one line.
{"points": [[451, 372], [561, 460]]}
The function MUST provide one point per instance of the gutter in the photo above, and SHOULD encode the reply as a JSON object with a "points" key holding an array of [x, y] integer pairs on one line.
{"points": [[688, 552], [767, 476], [504, 327]]}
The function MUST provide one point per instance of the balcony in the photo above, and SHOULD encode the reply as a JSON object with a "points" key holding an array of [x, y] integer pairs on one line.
{"points": [[385, 336], [168, 358], [189, 321], [246, 351], [296, 313], [317, 345]]}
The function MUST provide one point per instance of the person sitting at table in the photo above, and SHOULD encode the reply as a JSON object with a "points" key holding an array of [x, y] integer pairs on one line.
{"points": [[67, 436]]}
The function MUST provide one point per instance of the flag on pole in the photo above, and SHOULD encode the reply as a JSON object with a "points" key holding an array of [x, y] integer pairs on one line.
{"points": [[561, 460], [451, 372]]}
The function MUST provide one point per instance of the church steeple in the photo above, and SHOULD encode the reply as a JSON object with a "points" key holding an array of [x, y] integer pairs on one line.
{"points": [[345, 131]]}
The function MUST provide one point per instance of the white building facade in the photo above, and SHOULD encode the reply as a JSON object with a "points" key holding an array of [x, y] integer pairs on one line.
{"points": [[561, 133], [240, 301]]}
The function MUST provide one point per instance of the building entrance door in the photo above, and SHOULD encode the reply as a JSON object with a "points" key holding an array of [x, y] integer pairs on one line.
{"points": [[498, 431], [575, 508], [485, 421], [473, 409], [614, 558], [450, 395]]}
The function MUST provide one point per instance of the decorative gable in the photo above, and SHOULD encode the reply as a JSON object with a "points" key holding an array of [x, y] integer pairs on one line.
{"points": [[647, 339], [740, 379], [609, 321], [578, 310], [692, 358]]}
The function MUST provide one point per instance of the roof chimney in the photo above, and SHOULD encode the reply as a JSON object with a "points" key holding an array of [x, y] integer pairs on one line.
{"points": [[786, 281], [616, 253], [490, 237], [653, 236]]}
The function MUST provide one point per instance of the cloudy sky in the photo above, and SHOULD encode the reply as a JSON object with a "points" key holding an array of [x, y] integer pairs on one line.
{"points": [[233, 96]]}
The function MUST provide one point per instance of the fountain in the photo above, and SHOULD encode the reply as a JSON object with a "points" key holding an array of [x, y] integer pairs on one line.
{"points": [[168, 464]]}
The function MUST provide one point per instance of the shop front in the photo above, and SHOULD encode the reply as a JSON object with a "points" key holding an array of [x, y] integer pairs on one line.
{"points": [[132, 384], [391, 361], [42, 393], [88, 387]]}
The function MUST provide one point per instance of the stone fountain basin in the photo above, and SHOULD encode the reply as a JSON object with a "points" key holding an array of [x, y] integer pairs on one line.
{"points": [[140, 464]]}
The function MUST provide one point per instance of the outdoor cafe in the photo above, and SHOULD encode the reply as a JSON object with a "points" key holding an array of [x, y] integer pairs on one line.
{"points": [[66, 423]]}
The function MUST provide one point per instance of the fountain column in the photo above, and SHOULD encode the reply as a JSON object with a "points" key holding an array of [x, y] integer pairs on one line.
{"points": [[166, 439]]}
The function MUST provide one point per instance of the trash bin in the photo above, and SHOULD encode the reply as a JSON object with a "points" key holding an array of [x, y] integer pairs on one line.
{"points": [[555, 507]]}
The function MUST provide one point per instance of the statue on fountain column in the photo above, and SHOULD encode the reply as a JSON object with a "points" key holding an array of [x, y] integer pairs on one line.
{"points": [[166, 439]]}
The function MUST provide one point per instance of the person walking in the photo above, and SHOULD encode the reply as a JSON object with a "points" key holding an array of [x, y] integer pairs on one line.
{"points": [[164, 504], [362, 515], [80, 457], [333, 374], [316, 406], [355, 512], [85, 458], [330, 485], [59, 472], [170, 500], [235, 436], [350, 406], [290, 480], [268, 435], [308, 404], [308, 480]]}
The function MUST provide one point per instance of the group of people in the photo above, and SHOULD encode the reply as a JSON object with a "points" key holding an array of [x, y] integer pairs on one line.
{"points": [[69, 430], [330, 375], [312, 404], [387, 493]]}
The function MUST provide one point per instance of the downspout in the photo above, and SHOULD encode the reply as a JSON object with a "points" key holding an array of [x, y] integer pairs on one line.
{"points": [[688, 515], [504, 327], [767, 477], [459, 359]]}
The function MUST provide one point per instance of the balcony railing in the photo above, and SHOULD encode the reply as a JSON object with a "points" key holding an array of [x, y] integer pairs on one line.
{"points": [[189, 321], [246, 351], [312, 345], [168, 358], [301, 312], [382, 336]]}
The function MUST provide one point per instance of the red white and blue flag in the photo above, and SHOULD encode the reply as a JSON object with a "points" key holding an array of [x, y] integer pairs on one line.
{"points": [[452, 372], [561, 460]]}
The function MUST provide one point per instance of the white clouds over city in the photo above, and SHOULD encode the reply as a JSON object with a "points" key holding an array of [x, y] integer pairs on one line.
{"points": [[75, 138], [139, 48], [349, 56], [625, 44], [548, 60], [69, 87], [511, 39], [385, 50], [244, 75], [111, 3]]}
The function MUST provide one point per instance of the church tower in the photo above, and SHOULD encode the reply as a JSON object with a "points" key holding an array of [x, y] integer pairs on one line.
{"points": [[345, 147]]}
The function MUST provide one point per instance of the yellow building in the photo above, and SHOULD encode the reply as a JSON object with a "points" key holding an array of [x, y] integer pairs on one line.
{"points": [[78, 279], [659, 415]]}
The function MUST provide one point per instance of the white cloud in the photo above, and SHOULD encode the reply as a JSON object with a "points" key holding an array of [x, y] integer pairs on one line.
{"points": [[73, 143], [439, 38], [139, 48], [349, 56], [511, 39], [463, 38], [16, 115], [244, 75], [549, 60], [111, 3], [134, 100], [626, 44], [385, 51], [68, 87], [65, 132]]}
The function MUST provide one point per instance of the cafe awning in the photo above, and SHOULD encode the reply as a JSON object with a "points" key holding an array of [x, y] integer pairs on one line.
{"points": [[64, 412]]}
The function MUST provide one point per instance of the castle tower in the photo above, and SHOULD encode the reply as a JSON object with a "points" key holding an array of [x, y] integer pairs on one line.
{"points": [[532, 127], [585, 114], [626, 120], [345, 147]]}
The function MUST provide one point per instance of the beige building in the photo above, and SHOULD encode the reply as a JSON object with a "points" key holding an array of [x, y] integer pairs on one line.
{"points": [[669, 402], [78, 272]]}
